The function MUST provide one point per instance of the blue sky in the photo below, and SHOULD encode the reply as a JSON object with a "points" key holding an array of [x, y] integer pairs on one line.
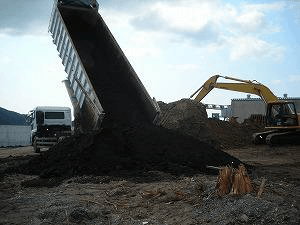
{"points": [[173, 45]]}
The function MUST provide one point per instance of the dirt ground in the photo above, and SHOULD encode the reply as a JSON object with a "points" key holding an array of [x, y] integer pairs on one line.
{"points": [[154, 197]]}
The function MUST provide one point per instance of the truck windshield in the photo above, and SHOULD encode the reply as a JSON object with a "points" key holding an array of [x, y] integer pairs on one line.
{"points": [[54, 115]]}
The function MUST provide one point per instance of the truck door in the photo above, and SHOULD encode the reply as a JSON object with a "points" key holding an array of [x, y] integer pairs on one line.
{"points": [[39, 118]]}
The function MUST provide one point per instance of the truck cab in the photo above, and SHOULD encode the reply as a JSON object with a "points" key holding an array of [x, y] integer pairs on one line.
{"points": [[48, 124]]}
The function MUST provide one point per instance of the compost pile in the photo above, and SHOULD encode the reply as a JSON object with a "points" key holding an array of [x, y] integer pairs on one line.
{"points": [[190, 118]]}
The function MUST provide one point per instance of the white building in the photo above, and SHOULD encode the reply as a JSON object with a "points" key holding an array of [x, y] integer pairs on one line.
{"points": [[243, 108], [13, 135]]}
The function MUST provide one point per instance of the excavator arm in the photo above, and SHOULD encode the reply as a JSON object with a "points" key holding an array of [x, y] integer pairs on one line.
{"points": [[245, 86]]}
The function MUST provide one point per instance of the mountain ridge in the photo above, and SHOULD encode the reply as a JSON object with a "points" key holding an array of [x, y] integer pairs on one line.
{"points": [[8, 117]]}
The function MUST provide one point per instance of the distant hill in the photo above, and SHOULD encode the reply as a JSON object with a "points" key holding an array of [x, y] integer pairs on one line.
{"points": [[11, 118]]}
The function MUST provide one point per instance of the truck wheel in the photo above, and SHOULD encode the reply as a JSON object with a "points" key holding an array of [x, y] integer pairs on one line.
{"points": [[35, 148]]}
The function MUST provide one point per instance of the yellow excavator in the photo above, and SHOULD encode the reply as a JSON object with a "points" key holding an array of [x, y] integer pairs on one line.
{"points": [[282, 120]]}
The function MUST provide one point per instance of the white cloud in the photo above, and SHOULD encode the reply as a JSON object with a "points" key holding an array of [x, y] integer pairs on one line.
{"points": [[116, 19], [194, 16], [253, 17], [248, 46], [251, 21], [214, 25], [190, 17], [6, 31], [36, 28], [265, 6], [276, 82], [5, 60], [294, 78], [141, 52]]}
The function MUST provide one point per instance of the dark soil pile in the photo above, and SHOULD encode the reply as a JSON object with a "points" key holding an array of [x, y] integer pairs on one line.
{"points": [[230, 135], [125, 149], [190, 118]]}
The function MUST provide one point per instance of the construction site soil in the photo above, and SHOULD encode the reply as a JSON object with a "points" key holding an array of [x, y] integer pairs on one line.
{"points": [[121, 148], [133, 172], [190, 118], [143, 174], [152, 197], [125, 150]]}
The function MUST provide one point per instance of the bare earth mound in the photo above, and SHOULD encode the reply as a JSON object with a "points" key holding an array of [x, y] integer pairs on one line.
{"points": [[186, 117], [190, 118], [233, 135], [138, 173], [125, 149], [121, 148]]}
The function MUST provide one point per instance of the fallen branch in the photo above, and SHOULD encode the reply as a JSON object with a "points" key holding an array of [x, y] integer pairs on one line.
{"points": [[261, 187], [213, 167]]}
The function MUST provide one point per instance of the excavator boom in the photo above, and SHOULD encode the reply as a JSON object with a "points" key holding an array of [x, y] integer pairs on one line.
{"points": [[245, 86]]}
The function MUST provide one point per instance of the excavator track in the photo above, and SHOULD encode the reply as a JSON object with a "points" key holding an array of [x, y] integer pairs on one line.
{"points": [[260, 138], [283, 138]]}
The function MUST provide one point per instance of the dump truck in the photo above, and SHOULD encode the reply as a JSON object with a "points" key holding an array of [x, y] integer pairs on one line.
{"points": [[100, 80], [282, 120], [49, 124]]}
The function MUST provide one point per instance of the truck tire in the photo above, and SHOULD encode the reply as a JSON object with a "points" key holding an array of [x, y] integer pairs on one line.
{"points": [[35, 148]]}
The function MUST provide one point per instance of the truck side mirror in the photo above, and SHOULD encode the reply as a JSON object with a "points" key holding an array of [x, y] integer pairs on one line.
{"points": [[39, 117]]}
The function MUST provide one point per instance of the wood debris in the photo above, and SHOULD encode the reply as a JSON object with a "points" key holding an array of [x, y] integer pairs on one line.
{"points": [[233, 181]]}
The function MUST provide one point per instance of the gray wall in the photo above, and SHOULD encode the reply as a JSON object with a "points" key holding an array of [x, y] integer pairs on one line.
{"points": [[12, 135], [244, 108]]}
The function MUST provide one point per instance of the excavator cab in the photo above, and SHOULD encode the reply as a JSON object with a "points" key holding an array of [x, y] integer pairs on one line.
{"points": [[282, 115]]}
